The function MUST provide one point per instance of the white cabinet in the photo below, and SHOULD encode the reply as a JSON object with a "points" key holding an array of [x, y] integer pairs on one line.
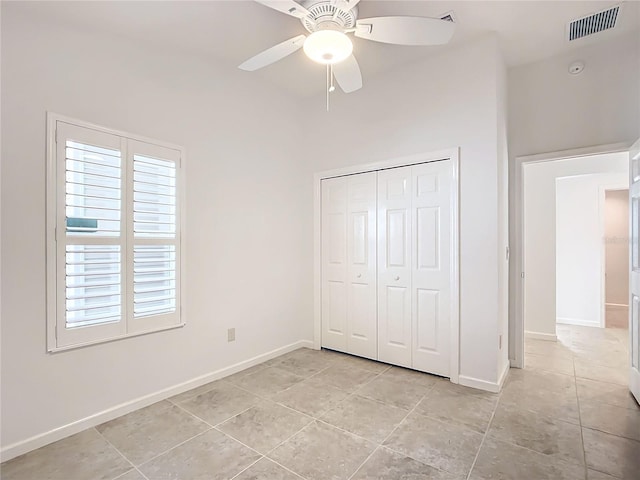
{"points": [[386, 265]]}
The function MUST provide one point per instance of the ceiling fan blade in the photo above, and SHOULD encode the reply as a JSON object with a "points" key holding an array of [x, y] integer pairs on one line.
{"points": [[348, 75], [273, 54], [405, 30], [286, 6], [345, 5]]}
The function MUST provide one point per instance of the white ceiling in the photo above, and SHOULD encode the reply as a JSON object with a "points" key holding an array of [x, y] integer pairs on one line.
{"points": [[229, 32]]}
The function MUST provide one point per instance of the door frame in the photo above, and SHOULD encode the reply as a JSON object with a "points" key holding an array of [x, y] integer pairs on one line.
{"points": [[517, 323], [451, 154], [602, 196]]}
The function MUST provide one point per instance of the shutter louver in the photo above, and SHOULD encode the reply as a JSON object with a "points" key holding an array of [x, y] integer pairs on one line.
{"points": [[154, 220], [94, 283], [93, 286]]}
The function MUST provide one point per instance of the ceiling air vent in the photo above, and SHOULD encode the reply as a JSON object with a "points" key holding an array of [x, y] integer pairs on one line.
{"points": [[594, 23]]}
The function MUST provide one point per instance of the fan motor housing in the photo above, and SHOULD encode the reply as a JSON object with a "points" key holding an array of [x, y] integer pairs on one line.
{"points": [[324, 15]]}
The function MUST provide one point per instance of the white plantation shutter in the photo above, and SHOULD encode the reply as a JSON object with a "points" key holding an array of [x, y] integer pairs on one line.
{"points": [[114, 212], [156, 241]]}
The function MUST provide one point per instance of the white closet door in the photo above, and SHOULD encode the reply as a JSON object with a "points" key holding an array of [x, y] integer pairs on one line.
{"points": [[361, 265], [394, 266], [431, 260], [334, 263]]}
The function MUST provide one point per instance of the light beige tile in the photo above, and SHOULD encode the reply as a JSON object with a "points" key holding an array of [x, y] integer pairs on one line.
{"points": [[248, 371], [221, 402], [549, 436], [181, 397], [607, 393], [265, 425], [303, 362], [504, 461], [347, 361], [549, 349], [469, 410], [620, 421], [321, 452], [395, 390], [547, 393], [548, 363], [368, 418], [84, 456], [265, 469], [131, 475], [594, 475], [387, 465], [345, 377], [442, 445], [211, 456], [269, 381], [414, 377], [145, 433], [312, 397], [610, 454], [602, 373]]}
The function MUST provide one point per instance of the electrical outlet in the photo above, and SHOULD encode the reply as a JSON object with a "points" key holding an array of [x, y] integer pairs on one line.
{"points": [[231, 335]]}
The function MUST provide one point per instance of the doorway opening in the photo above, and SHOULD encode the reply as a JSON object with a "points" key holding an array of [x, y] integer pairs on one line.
{"points": [[575, 251]]}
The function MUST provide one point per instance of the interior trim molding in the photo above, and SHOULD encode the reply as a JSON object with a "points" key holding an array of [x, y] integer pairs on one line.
{"points": [[45, 438], [550, 337], [493, 387]]}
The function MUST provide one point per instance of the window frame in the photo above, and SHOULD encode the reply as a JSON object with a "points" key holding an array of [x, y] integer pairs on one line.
{"points": [[55, 260]]}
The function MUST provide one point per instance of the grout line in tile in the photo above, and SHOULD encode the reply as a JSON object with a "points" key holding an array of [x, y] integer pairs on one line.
{"points": [[365, 461], [584, 452], [484, 437], [247, 467], [174, 447], [123, 456]]}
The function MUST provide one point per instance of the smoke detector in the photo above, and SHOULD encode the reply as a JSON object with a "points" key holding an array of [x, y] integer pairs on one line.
{"points": [[576, 68]]}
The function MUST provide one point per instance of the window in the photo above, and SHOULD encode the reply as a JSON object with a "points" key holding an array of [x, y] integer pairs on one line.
{"points": [[113, 246]]}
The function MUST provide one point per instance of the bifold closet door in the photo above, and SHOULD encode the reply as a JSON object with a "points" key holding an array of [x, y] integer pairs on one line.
{"points": [[349, 321], [414, 262], [431, 267], [394, 266]]}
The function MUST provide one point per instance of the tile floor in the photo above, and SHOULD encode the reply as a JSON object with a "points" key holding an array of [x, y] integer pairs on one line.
{"points": [[322, 415]]}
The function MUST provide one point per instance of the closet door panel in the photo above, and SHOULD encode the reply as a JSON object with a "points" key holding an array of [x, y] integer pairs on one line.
{"points": [[334, 264], [431, 267], [394, 266], [361, 265]]}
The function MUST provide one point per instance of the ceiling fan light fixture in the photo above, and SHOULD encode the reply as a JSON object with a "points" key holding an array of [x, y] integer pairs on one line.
{"points": [[328, 47]]}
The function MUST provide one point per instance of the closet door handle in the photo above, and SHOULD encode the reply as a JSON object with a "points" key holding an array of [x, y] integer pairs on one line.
{"points": [[359, 275], [396, 278]]}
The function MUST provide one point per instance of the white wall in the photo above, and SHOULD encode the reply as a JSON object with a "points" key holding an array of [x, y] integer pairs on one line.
{"points": [[249, 258], [540, 231], [422, 107], [550, 110], [616, 231], [580, 246]]}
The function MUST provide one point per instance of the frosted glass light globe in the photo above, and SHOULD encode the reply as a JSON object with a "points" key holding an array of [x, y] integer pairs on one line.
{"points": [[328, 47]]}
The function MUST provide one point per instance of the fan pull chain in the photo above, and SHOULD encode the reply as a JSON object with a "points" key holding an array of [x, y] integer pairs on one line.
{"points": [[330, 86]]}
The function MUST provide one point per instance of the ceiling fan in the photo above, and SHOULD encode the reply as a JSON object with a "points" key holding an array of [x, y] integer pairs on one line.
{"points": [[328, 23]]}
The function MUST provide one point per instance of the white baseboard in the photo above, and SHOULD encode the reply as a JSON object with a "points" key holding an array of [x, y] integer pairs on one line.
{"points": [[493, 387], [504, 374], [577, 321], [40, 440], [550, 337]]}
